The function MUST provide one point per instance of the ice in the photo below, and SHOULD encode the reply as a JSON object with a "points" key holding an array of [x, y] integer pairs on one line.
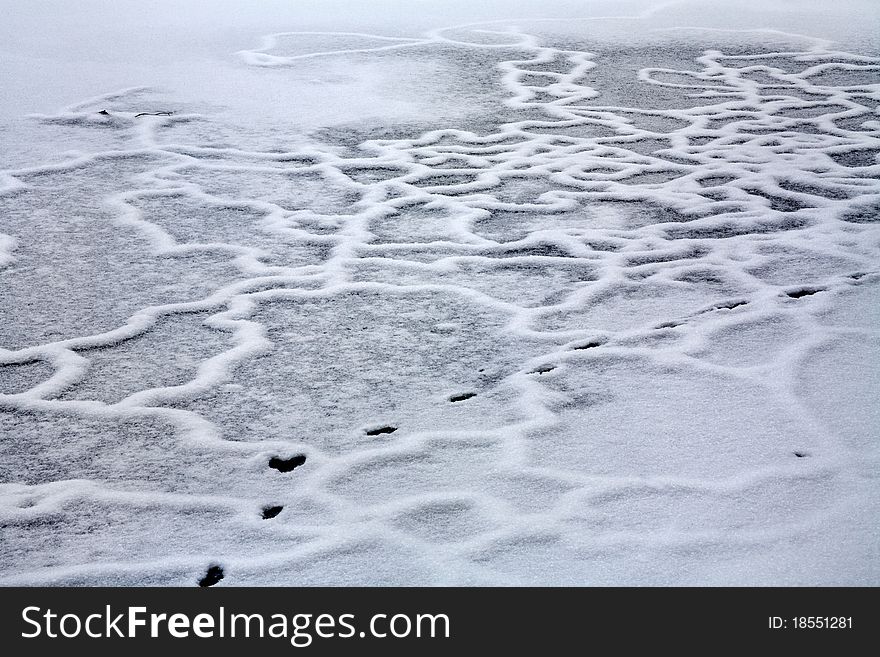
{"points": [[331, 296]]}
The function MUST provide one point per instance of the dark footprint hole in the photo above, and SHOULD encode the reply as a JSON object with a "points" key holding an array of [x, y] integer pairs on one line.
{"points": [[214, 575], [801, 455], [462, 396], [667, 325], [804, 292], [729, 305], [271, 511], [286, 465], [381, 430], [588, 345], [543, 369]]}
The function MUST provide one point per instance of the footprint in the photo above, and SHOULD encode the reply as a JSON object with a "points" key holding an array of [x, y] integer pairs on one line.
{"points": [[214, 575], [271, 511], [804, 292], [286, 465], [587, 345], [543, 369], [462, 396], [729, 305], [381, 430], [801, 455]]}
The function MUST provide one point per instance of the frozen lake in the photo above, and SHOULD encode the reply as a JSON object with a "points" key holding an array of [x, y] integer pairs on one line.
{"points": [[426, 294]]}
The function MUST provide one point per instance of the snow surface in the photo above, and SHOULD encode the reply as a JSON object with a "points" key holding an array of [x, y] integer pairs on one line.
{"points": [[585, 297]]}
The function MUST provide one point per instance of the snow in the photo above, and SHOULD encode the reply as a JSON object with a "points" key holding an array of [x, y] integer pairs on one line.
{"points": [[587, 296]]}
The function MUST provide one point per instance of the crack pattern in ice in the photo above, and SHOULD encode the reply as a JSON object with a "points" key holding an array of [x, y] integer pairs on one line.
{"points": [[591, 346]]}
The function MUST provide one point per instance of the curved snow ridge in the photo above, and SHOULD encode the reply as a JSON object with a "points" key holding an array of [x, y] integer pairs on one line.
{"points": [[260, 56], [597, 337]]}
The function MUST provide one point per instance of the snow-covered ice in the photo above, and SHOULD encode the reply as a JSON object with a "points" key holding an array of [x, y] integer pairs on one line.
{"points": [[412, 293]]}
